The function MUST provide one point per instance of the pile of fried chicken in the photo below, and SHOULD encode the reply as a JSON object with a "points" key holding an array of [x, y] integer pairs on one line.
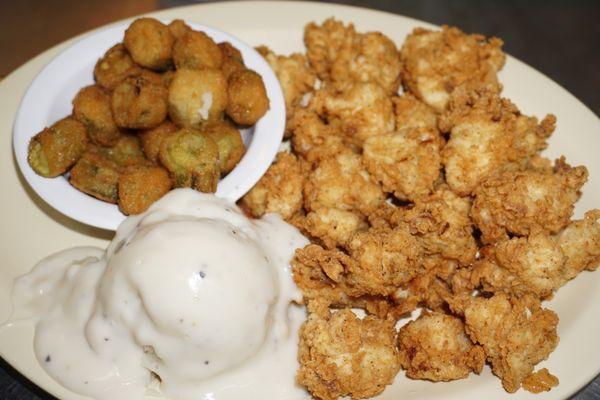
{"points": [[435, 200]]}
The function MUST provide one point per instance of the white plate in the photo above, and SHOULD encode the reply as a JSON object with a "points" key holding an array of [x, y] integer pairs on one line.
{"points": [[31, 230], [49, 98]]}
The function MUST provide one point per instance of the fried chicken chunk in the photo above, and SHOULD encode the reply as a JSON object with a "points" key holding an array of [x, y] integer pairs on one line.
{"points": [[340, 54], [435, 347], [580, 243], [279, 190], [411, 112], [331, 226], [310, 134], [406, 162], [294, 75], [434, 63], [357, 111], [342, 355], [516, 201], [487, 134], [516, 334]]}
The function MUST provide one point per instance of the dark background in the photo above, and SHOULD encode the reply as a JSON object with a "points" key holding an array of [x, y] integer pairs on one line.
{"points": [[559, 38]]}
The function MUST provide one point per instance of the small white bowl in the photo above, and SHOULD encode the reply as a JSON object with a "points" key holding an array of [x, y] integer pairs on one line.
{"points": [[49, 97]]}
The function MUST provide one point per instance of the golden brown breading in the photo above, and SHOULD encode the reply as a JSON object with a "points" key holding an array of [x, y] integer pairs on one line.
{"points": [[310, 134], [534, 264], [331, 226], [91, 107], [435, 347], [141, 185], [516, 334], [114, 66], [406, 162], [516, 201], [580, 243], [411, 112], [540, 381], [150, 43], [294, 75], [279, 190], [487, 134], [385, 258], [341, 181], [436, 62], [247, 99], [357, 111], [342, 355]]}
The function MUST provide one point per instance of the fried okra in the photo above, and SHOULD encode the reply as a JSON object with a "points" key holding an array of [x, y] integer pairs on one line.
{"points": [[435, 347], [141, 185], [114, 67], [55, 149], [178, 28], [91, 107], [517, 201], [192, 159], [151, 139], [232, 59], [139, 102], [150, 43], [279, 190], [342, 355], [197, 97], [230, 143], [126, 152], [97, 176], [436, 62], [247, 99], [196, 50]]}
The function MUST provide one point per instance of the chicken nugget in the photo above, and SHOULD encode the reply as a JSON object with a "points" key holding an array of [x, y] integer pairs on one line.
{"points": [[407, 163], [97, 176], [196, 50], [91, 107], [516, 201], [435, 347], [342, 355], [55, 149], [231, 145], [151, 139], [150, 43], [434, 63], [279, 190], [197, 97], [192, 159], [247, 99], [139, 102], [114, 67], [516, 334], [141, 185]]}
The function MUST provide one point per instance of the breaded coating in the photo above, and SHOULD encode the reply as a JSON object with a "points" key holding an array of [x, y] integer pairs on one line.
{"points": [[91, 107], [230, 143], [114, 67], [533, 264], [55, 149], [196, 50], [341, 181], [197, 97], [339, 54], [331, 226], [247, 99], [232, 59], [435, 347], [342, 355], [487, 134], [310, 132], [580, 243], [295, 77], [141, 185], [515, 335], [540, 381], [139, 102], [385, 259], [279, 190], [192, 159], [178, 28], [151, 139], [434, 63], [406, 162], [516, 201], [411, 112], [358, 111], [97, 176], [126, 152], [150, 43]]}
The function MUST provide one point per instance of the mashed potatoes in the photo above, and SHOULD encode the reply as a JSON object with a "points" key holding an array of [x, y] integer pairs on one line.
{"points": [[190, 297]]}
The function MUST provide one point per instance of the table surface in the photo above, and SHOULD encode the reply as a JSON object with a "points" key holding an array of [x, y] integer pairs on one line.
{"points": [[558, 38]]}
